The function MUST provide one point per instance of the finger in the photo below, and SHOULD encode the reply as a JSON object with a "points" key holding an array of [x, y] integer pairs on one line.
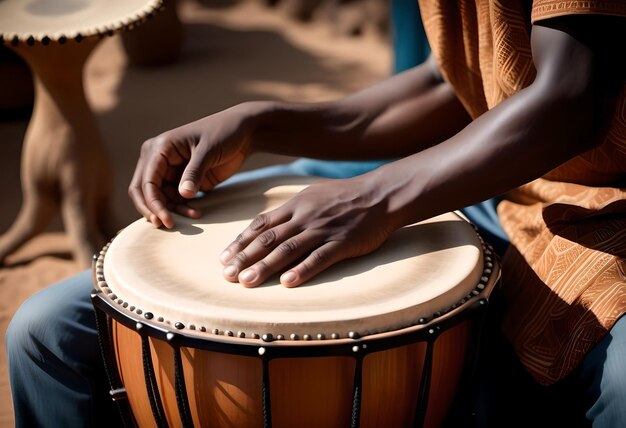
{"points": [[286, 253], [156, 202], [319, 260], [136, 194], [264, 244], [178, 204], [259, 224], [151, 185], [195, 171], [187, 211]]}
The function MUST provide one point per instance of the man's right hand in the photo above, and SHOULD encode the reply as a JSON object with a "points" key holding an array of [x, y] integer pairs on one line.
{"points": [[174, 166]]}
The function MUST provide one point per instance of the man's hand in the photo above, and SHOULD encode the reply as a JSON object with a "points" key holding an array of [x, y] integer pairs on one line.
{"points": [[325, 223], [174, 166]]}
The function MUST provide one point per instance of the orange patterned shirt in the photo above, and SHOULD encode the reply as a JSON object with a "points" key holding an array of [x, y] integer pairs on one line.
{"points": [[564, 276]]}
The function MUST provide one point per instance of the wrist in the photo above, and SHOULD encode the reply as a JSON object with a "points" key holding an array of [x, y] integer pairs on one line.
{"points": [[323, 129], [254, 115], [397, 184]]}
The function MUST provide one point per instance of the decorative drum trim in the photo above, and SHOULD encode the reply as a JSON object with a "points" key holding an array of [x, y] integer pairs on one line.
{"points": [[174, 330], [126, 23]]}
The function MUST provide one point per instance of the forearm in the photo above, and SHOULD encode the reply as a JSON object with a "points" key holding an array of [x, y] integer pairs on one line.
{"points": [[400, 116], [518, 141], [534, 131]]}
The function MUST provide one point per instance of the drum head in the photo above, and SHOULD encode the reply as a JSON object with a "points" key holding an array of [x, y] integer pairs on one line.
{"points": [[56, 19], [176, 275]]}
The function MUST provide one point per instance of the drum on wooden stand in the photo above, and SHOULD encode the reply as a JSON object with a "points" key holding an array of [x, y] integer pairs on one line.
{"points": [[64, 167], [386, 339]]}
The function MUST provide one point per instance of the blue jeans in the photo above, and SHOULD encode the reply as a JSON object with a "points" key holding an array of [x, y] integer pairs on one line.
{"points": [[57, 377]]}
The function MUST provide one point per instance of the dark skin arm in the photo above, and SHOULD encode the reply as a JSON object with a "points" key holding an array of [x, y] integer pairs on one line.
{"points": [[521, 139], [370, 124]]}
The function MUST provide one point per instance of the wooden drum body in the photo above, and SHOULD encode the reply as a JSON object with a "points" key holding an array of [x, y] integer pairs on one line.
{"points": [[383, 340]]}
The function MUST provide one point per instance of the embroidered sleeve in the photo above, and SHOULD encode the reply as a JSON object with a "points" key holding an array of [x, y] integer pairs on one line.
{"points": [[545, 9]]}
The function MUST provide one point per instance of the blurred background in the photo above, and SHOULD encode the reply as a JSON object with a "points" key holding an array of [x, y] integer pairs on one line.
{"points": [[194, 58]]}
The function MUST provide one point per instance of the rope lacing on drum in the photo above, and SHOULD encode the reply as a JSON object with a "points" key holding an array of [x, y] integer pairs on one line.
{"points": [[181, 390], [356, 394], [104, 341], [265, 391], [424, 388], [151, 385]]}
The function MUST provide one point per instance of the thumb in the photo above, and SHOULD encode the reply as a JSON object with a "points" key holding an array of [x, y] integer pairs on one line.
{"points": [[197, 166], [188, 188]]}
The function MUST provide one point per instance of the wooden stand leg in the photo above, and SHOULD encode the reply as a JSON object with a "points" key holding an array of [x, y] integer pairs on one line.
{"points": [[64, 164]]}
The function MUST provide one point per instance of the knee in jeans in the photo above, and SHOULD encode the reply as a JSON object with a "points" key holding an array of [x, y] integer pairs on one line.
{"points": [[614, 376], [28, 327]]}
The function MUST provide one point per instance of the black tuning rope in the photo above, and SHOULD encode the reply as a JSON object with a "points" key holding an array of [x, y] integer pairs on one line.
{"points": [[357, 392], [424, 388], [181, 390], [265, 394], [151, 385], [117, 391]]}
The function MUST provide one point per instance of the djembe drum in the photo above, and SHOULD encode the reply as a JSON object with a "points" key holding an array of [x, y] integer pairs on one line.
{"points": [[64, 164], [385, 339]]}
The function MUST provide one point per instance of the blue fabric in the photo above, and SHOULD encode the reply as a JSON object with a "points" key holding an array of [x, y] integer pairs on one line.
{"points": [[55, 369], [591, 396], [604, 374], [309, 167], [410, 45]]}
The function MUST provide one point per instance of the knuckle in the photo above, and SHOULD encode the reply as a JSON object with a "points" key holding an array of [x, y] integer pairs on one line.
{"points": [[262, 267], [240, 239], [155, 144], [288, 248], [319, 257], [147, 145], [259, 222], [193, 174], [240, 259], [161, 140], [156, 204], [267, 238]]}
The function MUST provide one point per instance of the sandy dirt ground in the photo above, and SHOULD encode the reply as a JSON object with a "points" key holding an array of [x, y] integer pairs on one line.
{"points": [[231, 52]]}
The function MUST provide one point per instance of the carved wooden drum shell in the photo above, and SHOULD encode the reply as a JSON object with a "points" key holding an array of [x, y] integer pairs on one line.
{"points": [[382, 340]]}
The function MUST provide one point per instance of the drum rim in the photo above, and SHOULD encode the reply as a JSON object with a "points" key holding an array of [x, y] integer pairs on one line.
{"points": [[142, 14], [103, 298], [133, 292]]}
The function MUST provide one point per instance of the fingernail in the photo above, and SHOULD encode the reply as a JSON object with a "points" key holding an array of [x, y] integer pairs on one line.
{"points": [[288, 277], [224, 256], [230, 271], [248, 275], [188, 186]]}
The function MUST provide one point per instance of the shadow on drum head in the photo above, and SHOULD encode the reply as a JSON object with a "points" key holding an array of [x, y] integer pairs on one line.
{"points": [[186, 229], [244, 200]]}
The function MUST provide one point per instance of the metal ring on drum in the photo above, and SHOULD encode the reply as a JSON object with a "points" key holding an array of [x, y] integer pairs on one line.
{"points": [[387, 339]]}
